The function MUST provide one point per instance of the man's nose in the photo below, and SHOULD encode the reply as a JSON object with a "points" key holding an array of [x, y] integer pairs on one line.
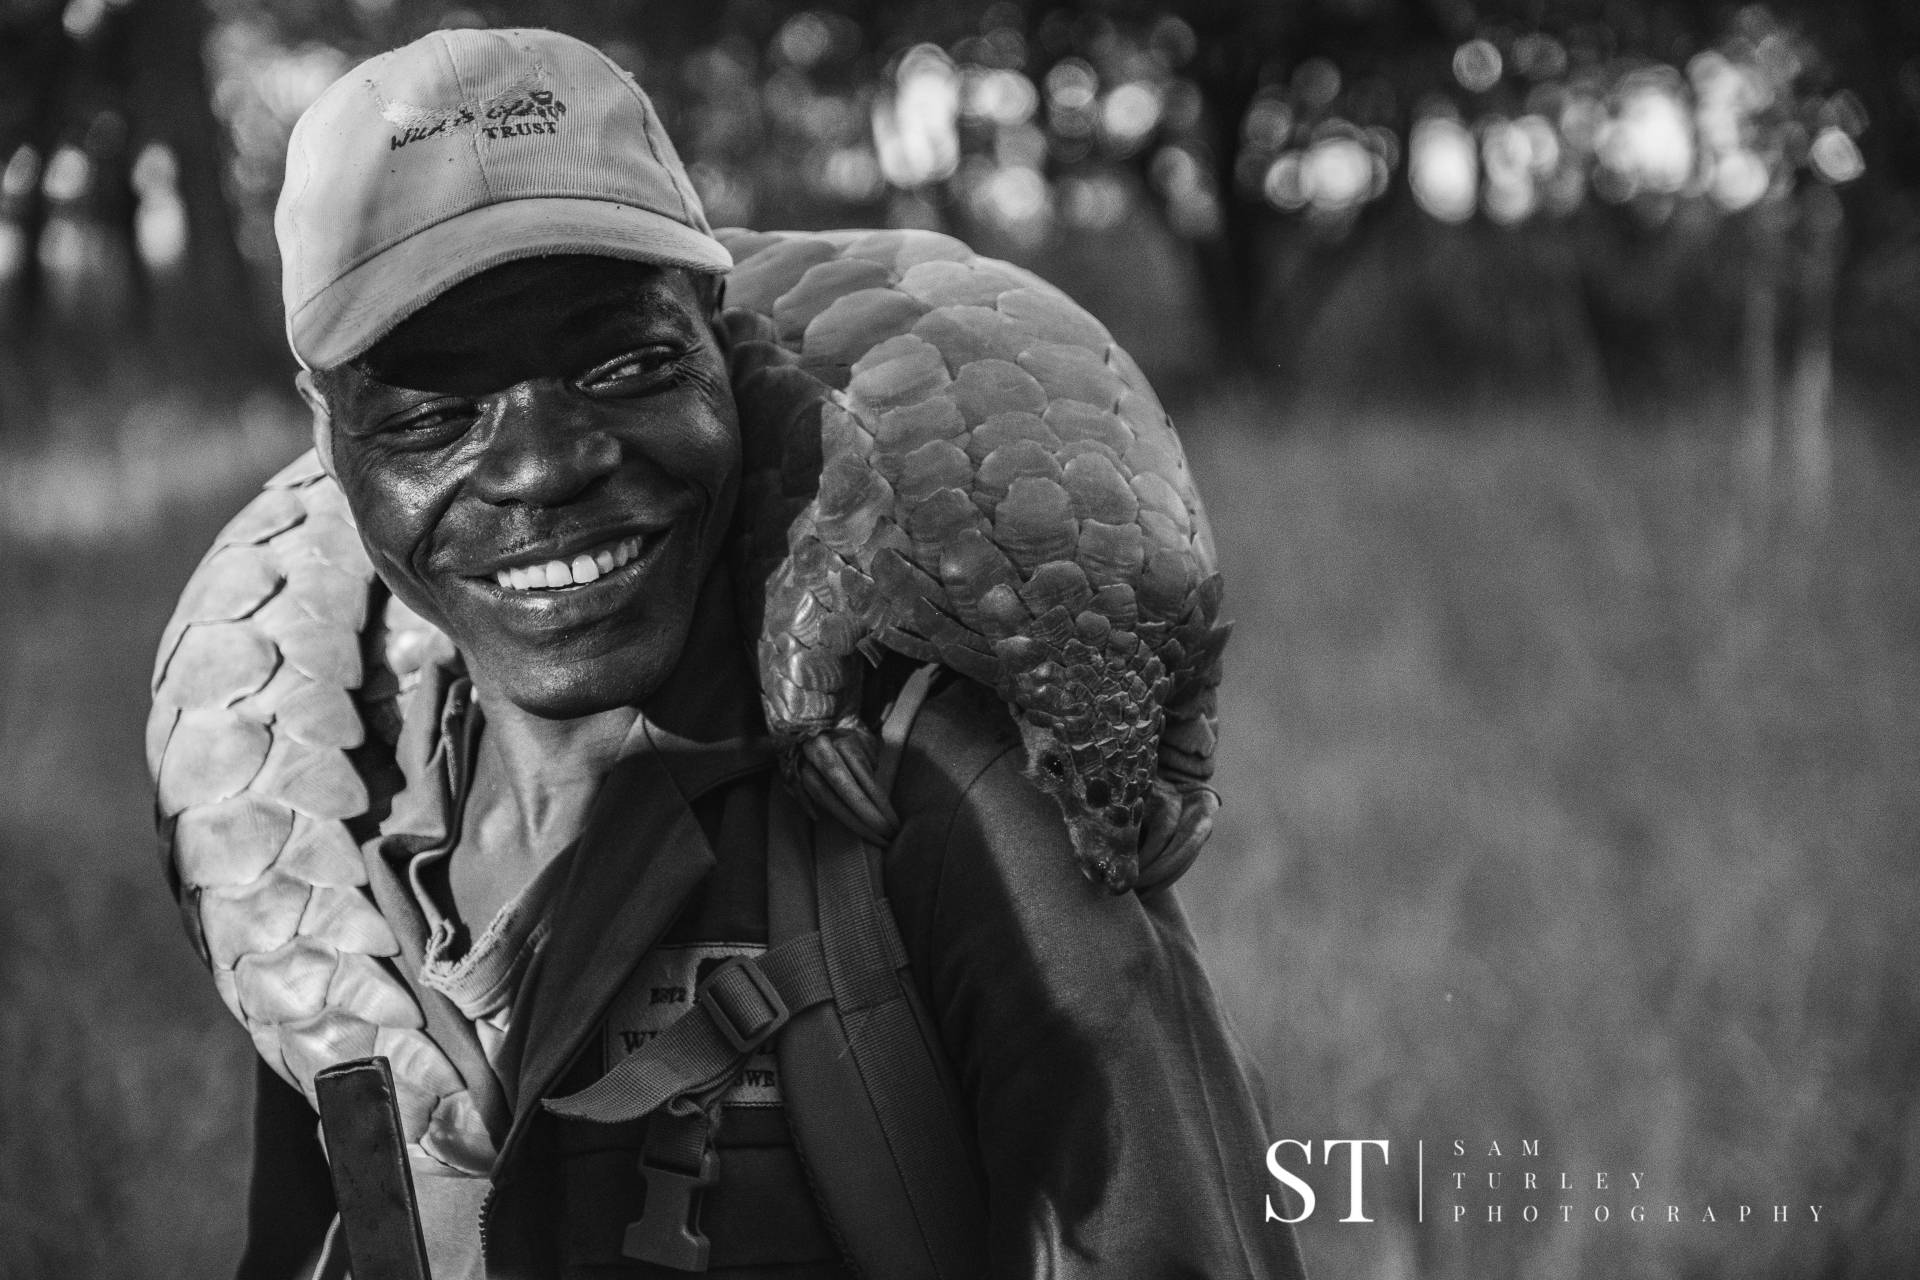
{"points": [[543, 448]]}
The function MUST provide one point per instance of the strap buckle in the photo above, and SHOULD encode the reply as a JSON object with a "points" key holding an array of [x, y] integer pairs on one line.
{"points": [[742, 1004], [668, 1232]]}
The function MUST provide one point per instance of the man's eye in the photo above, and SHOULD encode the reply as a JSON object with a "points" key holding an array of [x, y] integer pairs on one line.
{"points": [[430, 422], [632, 372]]}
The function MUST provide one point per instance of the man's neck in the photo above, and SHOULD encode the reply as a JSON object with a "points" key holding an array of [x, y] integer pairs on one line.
{"points": [[546, 770], [535, 778]]}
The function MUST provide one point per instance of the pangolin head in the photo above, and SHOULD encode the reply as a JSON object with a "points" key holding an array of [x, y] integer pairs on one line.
{"points": [[1090, 719]]}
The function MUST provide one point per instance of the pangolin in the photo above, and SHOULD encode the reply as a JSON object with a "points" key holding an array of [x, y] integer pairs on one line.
{"points": [[991, 486], [944, 457]]}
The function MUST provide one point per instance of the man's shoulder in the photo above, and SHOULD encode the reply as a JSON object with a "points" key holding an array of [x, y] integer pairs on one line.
{"points": [[970, 817], [963, 739]]}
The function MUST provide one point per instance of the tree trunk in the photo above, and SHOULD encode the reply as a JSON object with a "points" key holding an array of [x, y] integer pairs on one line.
{"points": [[1810, 389], [39, 59], [1230, 267], [171, 102], [36, 57], [1759, 344]]}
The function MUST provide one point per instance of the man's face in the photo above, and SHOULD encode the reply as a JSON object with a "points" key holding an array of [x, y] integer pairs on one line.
{"points": [[543, 462]]}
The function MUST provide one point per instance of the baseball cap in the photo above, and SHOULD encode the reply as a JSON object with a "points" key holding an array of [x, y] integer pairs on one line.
{"points": [[427, 165]]}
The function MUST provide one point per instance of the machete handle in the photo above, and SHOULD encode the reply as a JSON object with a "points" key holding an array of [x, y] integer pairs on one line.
{"points": [[372, 1184]]}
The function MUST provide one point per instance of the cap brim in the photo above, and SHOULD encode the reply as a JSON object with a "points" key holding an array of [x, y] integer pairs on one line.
{"points": [[366, 303]]}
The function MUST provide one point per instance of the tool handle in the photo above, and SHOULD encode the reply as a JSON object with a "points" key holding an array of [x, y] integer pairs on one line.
{"points": [[372, 1185]]}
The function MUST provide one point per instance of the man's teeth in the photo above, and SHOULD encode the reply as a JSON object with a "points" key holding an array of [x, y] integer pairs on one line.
{"points": [[578, 571]]}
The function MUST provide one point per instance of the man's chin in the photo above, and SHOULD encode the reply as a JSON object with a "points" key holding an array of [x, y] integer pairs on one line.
{"points": [[562, 687], [562, 699]]}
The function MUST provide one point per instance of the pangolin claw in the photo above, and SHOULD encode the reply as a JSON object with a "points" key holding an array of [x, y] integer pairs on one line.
{"points": [[835, 769], [1175, 831]]}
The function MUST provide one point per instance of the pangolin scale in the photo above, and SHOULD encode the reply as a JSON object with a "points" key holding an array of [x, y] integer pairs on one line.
{"points": [[943, 456]]}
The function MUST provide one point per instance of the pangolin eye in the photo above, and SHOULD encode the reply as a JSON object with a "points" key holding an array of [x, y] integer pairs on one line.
{"points": [[1054, 763]]}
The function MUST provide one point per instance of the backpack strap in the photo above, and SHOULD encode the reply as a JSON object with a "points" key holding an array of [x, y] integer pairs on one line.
{"points": [[678, 1078], [870, 1096], [898, 723], [903, 1078], [854, 959], [736, 1009]]}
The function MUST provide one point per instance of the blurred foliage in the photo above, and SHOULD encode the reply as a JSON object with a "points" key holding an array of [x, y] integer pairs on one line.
{"points": [[1270, 145], [1569, 796], [1571, 788]]}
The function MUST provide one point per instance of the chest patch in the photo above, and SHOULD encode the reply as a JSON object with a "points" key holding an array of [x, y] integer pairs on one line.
{"points": [[661, 991]]}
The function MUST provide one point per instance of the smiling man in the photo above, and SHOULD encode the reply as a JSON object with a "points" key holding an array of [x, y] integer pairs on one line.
{"points": [[544, 462], [503, 293]]}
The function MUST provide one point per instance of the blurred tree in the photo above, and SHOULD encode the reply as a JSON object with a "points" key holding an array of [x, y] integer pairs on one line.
{"points": [[35, 56], [156, 48], [107, 117], [1646, 158]]}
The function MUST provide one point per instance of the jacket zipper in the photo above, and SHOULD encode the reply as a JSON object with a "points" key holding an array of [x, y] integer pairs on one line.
{"points": [[486, 1208]]}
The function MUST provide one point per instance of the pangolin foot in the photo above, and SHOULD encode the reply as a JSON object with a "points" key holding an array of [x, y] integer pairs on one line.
{"points": [[835, 770], [1176, 828]]}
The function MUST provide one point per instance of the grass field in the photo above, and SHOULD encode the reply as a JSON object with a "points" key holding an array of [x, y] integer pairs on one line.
{"points": [[1571, 796]]}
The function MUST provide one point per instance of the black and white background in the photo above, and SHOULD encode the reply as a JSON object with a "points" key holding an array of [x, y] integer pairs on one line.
{"points": [[1548, 367]]}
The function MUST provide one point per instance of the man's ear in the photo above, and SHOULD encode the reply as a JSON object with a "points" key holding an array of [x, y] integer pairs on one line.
{"points": [[322, 419], [710, 291]]}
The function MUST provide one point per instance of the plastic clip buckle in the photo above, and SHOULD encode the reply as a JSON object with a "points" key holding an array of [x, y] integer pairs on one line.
{"points": [[668, 1233]]}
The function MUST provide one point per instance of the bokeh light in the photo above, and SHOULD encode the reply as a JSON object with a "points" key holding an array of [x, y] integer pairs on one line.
{"points": [[1031, 121], [1001, 96], [1539, 56], [1507, 159], [1316, 82], [1017, 200], [68, 175], [804, 40], [1186, 185], [21, 174], [1445, 172], [1476, 65], [1269, 122], [1835, 156], [82, 17], [914, 131], [1284, 183], [1740, 179], [1648, 144], [1097, 202], [1338, 174], [160, 220], [1128, 115], [1071, 85], [853, 174]]}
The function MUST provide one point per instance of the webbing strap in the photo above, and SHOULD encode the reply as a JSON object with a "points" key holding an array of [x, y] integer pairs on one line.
{"points": [[739, 1006], [899, 723], [909, 1098]]}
